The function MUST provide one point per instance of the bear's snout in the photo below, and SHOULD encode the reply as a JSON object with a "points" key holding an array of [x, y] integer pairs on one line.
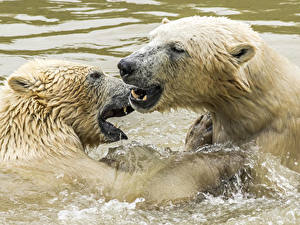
{"points": [[126, 67]]}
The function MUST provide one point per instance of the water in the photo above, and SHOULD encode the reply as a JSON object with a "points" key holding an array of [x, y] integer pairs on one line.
{"points": [[100, 33]]}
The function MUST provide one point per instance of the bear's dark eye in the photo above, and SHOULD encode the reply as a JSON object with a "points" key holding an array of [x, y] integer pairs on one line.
{"points": [[177, 48], [95, 75], [240, 53]]}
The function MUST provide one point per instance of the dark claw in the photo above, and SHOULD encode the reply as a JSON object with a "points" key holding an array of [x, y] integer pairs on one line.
{"points": [[200, 133]]}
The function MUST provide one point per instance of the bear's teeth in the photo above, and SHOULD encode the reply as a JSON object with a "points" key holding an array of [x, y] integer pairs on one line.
{"points": [[145, 98], [136, 96], [125, 110]]}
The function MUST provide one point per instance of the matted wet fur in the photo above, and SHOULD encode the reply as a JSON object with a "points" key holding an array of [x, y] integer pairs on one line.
{"points": [[50, 111], [224, 67]]}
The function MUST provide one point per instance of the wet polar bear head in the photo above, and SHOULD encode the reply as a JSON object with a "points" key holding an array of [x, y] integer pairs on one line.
{"points": [[189, 62], [50, 102]]}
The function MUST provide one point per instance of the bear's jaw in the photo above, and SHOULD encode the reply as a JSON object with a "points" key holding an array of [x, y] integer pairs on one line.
{"points": [[143, 100], [111, 132]]}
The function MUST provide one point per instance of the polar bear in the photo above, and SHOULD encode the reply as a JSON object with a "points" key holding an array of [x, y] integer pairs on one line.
{"points": [[51, 111], [224, 67]]}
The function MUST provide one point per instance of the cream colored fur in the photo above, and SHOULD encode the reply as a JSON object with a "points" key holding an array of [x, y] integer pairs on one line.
{"points": [[48, 116], [223, 66]]}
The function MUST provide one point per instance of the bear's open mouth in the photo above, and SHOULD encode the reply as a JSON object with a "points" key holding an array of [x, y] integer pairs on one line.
{"points": [[110, 131], [145, 98]]}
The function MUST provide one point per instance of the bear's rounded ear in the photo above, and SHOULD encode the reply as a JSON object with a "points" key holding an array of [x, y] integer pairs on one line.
{"points": [[165, 20], [242, 52], [19, 84]]}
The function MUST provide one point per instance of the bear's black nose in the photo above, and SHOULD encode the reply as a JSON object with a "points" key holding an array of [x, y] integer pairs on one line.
{"points": [[126, 67]]}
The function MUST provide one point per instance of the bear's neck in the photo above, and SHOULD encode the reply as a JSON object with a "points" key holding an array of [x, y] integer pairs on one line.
{"points": [[27, 132], [274, 96]]}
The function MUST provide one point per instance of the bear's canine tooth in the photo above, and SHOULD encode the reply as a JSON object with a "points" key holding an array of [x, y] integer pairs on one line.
{"points": [[145, 98], [136, 96], [125, 110]]}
